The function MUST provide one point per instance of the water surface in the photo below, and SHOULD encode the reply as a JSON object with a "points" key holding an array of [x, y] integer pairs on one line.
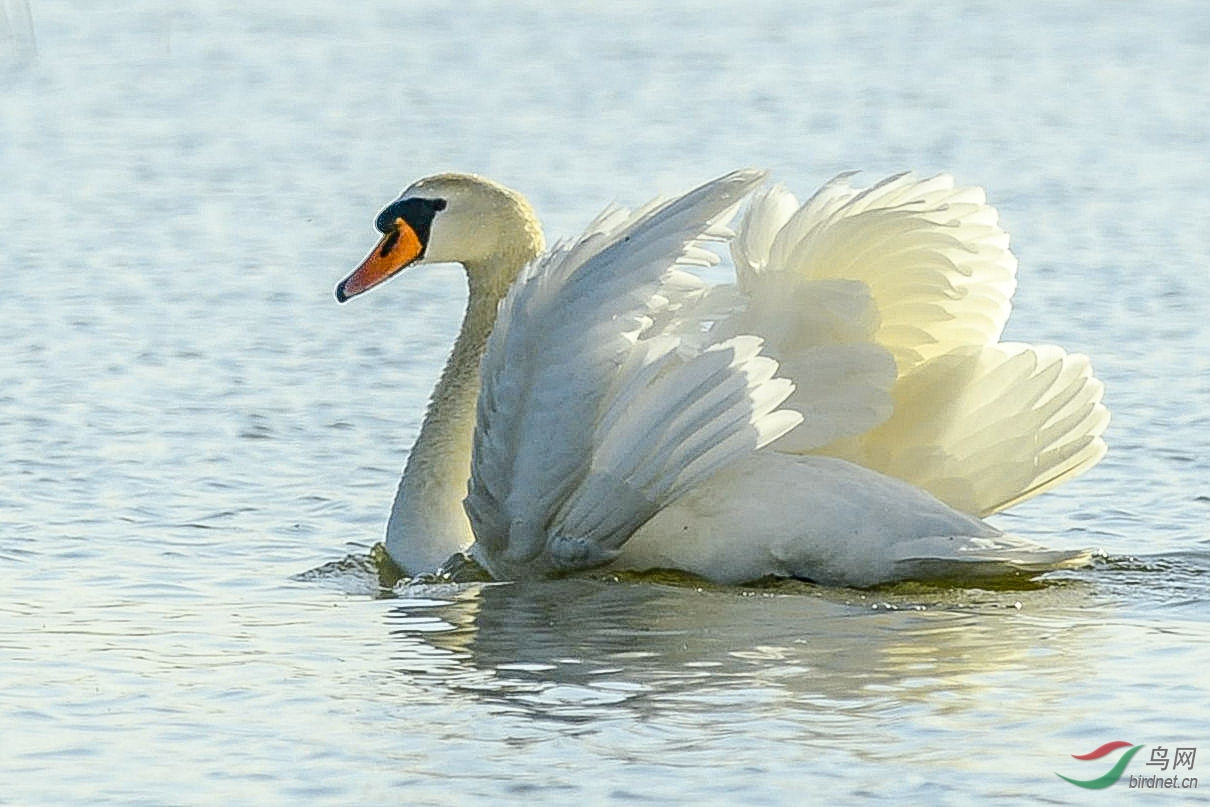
{"points": [[188, 420]]}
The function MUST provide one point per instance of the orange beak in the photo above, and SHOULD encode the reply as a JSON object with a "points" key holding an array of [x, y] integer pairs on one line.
{"points": [[397, 249]]}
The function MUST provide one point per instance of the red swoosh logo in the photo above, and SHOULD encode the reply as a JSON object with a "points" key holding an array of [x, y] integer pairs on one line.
{"points": [[1103, 750]]}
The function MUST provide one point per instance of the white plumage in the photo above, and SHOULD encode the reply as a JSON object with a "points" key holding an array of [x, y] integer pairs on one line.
{"points": [[843, 413]]}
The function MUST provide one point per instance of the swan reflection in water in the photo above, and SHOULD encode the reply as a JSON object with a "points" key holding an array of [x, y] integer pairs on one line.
{"points": [[580, 649]]}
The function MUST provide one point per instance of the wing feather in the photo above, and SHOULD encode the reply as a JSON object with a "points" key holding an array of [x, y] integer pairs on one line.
{"points": [[917, 270], [986, 427], [589, 417], [615, 382], [936, 263]]}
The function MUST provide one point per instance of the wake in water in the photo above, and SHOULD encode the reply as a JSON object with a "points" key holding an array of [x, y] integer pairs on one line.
{"points": [[1172, 581]]}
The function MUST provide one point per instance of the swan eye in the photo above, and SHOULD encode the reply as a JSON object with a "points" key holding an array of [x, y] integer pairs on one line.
{"points": [[438, 204]]}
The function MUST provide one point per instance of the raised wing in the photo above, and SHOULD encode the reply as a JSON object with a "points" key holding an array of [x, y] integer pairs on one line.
{"points": [[932, 257], [985, 427], [589, 418], [885, 307]]}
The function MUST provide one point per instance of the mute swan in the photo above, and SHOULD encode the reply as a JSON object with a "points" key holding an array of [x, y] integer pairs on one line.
{"points": [[844, 413]]}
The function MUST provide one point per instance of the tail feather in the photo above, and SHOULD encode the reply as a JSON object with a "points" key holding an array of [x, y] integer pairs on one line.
{"points": [[982, 557]]}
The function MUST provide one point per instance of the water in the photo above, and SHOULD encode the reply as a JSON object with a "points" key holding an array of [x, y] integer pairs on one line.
{"points": [[188, 420]]}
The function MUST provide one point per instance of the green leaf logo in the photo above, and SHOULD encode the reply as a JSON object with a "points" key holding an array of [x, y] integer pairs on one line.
{"points": [[1114, 773]]}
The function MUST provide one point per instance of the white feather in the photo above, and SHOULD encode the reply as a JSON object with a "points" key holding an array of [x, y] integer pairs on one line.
{"points": [[565, 354], [979, 424]]}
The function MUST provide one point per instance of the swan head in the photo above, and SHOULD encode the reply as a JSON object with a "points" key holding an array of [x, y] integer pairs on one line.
{"points": [[452, 218]]}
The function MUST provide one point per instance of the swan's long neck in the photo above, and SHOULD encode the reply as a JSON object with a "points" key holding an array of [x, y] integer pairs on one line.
{"points": [[428, 523]]}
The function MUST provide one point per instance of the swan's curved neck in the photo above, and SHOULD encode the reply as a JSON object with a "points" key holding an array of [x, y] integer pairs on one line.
{"points": [[428, 523]]}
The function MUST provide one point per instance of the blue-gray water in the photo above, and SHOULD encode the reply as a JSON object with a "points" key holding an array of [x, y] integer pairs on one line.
{"points": [[188, 419]]}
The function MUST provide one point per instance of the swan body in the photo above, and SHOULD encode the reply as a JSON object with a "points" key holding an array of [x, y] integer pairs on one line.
{"points": [[827, 520], [844, 412]]}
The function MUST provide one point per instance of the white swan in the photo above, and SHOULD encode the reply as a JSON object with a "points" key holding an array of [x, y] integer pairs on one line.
{"points": [[604, 406]]}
